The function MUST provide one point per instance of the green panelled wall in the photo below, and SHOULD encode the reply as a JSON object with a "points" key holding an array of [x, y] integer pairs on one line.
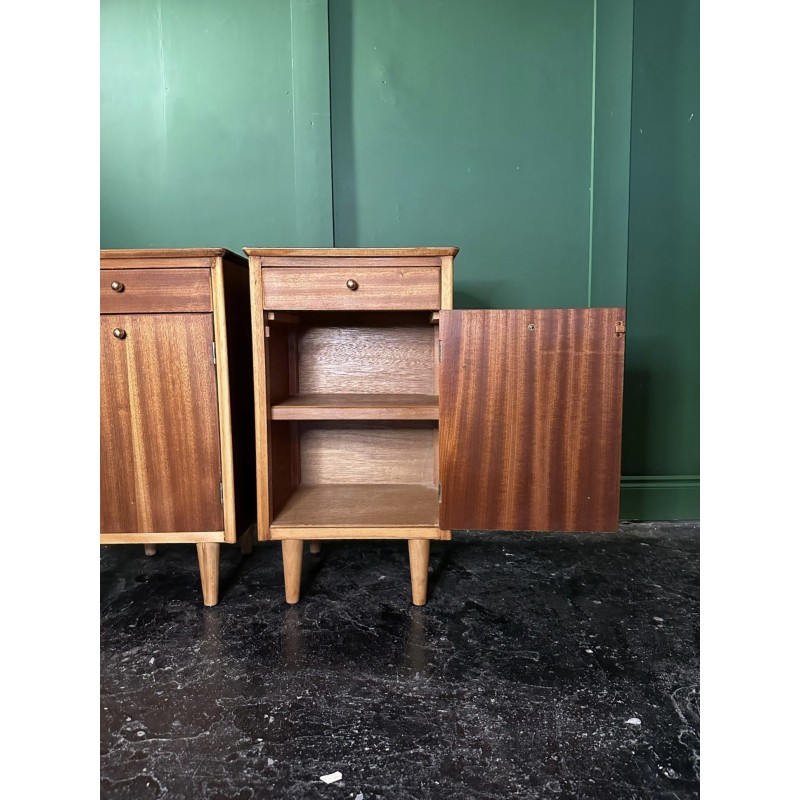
{"points": [[661, 436], [203, 107], [502, 127]]}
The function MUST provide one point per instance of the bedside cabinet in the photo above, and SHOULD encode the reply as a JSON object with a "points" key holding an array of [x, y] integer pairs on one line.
{"points": [[177, 460], [382, 413]]}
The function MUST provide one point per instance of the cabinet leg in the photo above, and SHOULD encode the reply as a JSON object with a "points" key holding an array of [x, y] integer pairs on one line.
{"points": [[208, 558], [292, 568], [149, 549], [315, 547], [246, 542], [419, 551]]}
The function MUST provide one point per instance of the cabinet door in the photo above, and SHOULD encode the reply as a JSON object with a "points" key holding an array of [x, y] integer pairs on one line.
{"points": [[159, 429], [530, 417]]}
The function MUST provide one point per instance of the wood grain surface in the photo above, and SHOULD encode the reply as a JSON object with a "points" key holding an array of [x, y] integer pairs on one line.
{"points": [[366, 452], [360, 252], [366, 353], [354, 505], [159, 435], [531, 419], [357, 406], [381, 288], [155, 290]]}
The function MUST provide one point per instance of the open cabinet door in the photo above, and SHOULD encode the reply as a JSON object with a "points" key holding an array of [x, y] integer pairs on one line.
{"points": [[530, 419]]}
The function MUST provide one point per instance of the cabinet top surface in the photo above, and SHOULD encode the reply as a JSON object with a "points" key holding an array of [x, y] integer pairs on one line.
{"points": [[365, 252], [175, 252]]}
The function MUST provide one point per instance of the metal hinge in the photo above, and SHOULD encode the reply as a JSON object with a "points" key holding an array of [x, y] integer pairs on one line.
{"points": [[214, 352], [619, 328], [440, 351], [440, 492], [221, 497]]}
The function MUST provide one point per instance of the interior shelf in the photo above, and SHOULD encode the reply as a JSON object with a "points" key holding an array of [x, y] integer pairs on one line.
{"points": [[357, 406], [360, 505]]}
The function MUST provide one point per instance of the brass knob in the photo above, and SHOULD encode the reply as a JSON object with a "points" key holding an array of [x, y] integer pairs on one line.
{"points": [[351, 284], [119, 333], [117, 286]]}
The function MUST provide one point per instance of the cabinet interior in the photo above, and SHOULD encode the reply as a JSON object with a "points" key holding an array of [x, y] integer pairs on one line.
{"points": [[353, 405]]}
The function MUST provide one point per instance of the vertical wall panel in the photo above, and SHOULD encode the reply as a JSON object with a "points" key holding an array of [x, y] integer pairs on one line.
{"points": [[200, 114], [469, 123], [661, 442]]}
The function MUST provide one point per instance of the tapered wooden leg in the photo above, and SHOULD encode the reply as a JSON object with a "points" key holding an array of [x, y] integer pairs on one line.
{"points": [[315, 547], [419, 551], [208, 558], [292, 568], [149, 549]]}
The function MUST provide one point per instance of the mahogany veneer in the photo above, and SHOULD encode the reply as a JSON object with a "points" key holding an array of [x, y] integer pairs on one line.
{"points": [[176, 402]]}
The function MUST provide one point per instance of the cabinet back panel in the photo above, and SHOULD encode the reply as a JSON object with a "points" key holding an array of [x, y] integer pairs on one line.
{"points": [[367, 452], [349, 353]]}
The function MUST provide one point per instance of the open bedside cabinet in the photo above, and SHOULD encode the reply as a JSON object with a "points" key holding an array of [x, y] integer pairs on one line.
{"points": [[381, 413]]}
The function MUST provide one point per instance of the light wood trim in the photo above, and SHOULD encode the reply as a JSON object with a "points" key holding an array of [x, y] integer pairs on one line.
{"points": [[434, 316], [447, 282], [361, 252], [208, 559], [180, 537], [292, 569], [260, 394], [418, 558], [155, 263], [366, 262], [311, 534], [281, 317], [357, 406], [175, 252], [224, 400]]}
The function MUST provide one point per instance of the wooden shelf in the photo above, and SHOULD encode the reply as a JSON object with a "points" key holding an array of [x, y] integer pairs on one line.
{"points": [[360, 505], [357, 406]]}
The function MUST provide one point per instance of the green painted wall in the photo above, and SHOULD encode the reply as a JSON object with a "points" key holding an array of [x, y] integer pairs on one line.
{"points": [[504, 128], [661, 437], [203, 106]]}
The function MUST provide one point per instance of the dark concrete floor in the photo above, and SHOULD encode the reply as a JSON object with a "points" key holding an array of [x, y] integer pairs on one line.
{"points": [[548, 665]]}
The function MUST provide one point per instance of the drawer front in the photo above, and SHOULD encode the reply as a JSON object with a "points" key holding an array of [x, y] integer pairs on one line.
{"points": [[142, 291], [359, 288]]}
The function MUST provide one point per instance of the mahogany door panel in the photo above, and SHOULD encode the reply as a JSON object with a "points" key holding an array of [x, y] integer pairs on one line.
{"points": [[159, 425], [530, 417]]}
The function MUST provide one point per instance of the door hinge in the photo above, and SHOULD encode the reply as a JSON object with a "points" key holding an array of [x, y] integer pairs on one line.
{"points": [[221, 496], [214, 352], [440, 351], [440, 492], [619, 328]]}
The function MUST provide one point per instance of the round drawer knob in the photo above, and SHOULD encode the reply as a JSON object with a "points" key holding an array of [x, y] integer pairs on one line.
{"points": [[351, 284], [117, 286], [119, 333]]}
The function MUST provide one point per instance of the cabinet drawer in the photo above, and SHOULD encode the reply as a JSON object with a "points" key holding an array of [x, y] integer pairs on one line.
{"points": [[365, 288], [137, 291]]}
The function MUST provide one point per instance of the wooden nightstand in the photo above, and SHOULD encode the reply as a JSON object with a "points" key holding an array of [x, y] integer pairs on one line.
{"points": [[380, 412], [176, 402]]}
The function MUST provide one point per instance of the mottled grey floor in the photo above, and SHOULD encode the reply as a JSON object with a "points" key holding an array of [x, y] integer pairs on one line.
{"points": [[521, 678]]}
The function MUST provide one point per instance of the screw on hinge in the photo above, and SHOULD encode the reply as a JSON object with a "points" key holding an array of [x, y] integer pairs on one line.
{"points": [[221, 497], [619, 328]]}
